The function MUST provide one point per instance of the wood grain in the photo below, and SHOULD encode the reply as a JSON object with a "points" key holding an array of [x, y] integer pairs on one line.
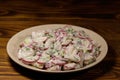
{"points": [[101, 16]]}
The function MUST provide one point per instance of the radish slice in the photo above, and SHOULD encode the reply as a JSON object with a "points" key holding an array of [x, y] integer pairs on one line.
{"points": [[49, 64], [57, 45], [58, 62], [25, 52], [30, 59], [40, 39], [66, 42], [88, 59], [72, 55], [49, 42], [69, 66], [43, 58]]}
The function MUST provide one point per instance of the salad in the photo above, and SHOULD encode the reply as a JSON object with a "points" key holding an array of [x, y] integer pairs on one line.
{"points": [[58, 49]]}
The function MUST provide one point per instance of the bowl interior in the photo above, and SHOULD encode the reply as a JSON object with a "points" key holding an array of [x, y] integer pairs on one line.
{"points": [[13, 45]]}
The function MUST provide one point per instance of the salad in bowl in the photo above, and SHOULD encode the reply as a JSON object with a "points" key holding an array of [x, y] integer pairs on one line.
{"points": [[59, 49]]}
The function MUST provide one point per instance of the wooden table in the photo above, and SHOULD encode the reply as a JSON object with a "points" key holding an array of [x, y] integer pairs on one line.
{"points": [[101, 16]]}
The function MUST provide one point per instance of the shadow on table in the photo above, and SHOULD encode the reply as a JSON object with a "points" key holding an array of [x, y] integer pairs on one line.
{"points": [[91, 73]]}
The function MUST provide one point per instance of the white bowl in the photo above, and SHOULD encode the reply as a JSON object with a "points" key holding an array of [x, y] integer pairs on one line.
{"points": [[13, 45]]}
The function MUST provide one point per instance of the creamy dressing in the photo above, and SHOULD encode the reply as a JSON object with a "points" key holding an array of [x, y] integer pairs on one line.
{"points": [[58, 49]]}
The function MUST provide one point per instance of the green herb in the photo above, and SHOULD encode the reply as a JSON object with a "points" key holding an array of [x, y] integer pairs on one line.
{"points": [[27, 48], [70, 30]]}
